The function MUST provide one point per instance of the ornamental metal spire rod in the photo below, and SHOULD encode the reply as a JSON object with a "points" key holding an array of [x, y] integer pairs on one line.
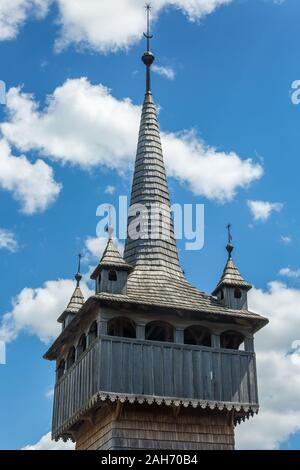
{"points": [[110, 225], [229, 246], [148, 57], [78, 276], [229, 233], [147, 35]]}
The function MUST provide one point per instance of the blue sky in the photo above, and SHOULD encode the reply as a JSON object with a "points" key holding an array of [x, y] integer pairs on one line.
{"points": [[233, 72]]}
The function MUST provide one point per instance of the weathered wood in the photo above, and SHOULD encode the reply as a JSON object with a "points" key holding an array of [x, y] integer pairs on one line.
{"points": [[140, 367], [152, 427]]}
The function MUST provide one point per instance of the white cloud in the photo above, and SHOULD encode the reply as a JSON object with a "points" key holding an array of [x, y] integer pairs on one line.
{"points": [[110, 189], [261, 210], [278, 362], [83, 124], [102, 26], [196, 9], [267, 430], [45, 443], [286, 239], [8, 240], [288, 272], [13, 13], [281, 304], [32, 184], [118, 24], [35, 311], [206, 171], [166, 72]]}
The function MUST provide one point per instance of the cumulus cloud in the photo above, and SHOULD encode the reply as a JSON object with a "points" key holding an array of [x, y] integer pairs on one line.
{"points": [[205, 170], [118, 24], [45, 443], [261, 210], [35, 311], [278, 362], [166, 72], [8, 240], [84, 124], [13, 13], [101, 26], [291, 273], [32, 184]]}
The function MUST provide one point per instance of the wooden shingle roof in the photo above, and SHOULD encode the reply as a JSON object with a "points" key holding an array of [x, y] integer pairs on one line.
{"points": [[163, 290], [76, 301], [75, 304], [111, 258], [150, 189], [231, 277], [157, 277]]}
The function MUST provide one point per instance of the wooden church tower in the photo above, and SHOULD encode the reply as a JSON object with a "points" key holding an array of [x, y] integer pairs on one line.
{"points": [[150, 362]]}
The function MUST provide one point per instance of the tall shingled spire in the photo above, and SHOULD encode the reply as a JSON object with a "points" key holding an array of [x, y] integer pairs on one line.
{"points": [[156, 251]]}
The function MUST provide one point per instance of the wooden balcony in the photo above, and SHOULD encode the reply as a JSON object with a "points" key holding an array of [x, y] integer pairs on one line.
{"points": [[153, 369]]}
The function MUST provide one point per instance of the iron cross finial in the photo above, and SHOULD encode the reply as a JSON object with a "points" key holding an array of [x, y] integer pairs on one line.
{"points": [[147, 35], [78, 276], [148, 57], [229, 246], [79, 261], [110, 226], [229, 233]]}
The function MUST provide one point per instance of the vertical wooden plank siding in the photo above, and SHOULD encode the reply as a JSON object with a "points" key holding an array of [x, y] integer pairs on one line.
{"points": [[140, 367]]}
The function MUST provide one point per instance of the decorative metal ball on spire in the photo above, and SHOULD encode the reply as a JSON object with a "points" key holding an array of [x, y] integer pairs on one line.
{"points": [[229, 246], [148, 58], [78, 275]]}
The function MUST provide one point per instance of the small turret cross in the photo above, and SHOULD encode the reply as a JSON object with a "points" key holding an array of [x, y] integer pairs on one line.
{"points": [[229, 233]]}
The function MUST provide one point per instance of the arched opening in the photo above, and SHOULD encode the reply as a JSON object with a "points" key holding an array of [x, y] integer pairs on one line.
{"points": [[71, 357], [121, 326], [222, 295], [237, 293], [92, 332], [159, 331], [60, 369], [231, 340], [197, 335], [98, 282], [112, 275], [81, 345]]}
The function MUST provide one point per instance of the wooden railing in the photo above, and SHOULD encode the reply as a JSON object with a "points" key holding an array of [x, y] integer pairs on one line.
{"points": [[140, 367]]}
